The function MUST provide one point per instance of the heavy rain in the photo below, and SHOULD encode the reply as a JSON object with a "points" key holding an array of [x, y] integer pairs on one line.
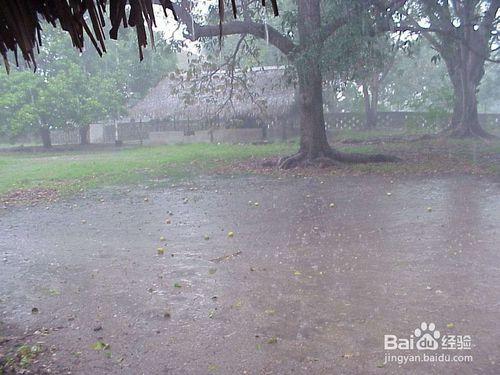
{"points": [[247, 187]]}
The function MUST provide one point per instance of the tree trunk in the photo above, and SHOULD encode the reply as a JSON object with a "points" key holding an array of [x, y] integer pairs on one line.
{"points": [[456, 117], [370, 100], [374, 106], [465, 119], [313, 140], [84, 134], [368, 105], [314, 147], [45, 135], [465, 59]]}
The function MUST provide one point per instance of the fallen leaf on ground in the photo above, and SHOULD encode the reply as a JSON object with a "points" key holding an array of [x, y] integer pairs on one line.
{"points": [[100, 345], [213, 368], [225, 257]]}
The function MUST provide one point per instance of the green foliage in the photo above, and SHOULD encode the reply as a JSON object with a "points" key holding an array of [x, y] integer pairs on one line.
{"points": [[420, 83], [414, 83], [16, 103], [73, 90]]}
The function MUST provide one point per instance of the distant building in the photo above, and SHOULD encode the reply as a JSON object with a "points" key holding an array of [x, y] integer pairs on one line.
{"points": [[247, 99]]}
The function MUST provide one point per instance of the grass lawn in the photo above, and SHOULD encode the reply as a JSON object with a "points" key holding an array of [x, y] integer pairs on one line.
{"points": [[73, 170], [70, 171], [438, 154]]}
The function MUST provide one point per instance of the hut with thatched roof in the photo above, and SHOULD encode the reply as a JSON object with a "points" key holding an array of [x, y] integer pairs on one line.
{"points": [[254, 105], [251, 98]]}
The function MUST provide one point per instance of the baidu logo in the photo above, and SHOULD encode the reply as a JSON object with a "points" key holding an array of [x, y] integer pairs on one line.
{"points": [[427, 337]]}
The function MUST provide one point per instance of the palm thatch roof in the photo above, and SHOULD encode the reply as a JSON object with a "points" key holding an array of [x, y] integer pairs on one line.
{"points": [[20, 22], [263, 92]]}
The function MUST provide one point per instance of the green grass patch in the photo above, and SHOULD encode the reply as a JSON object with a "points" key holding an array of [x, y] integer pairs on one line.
{"points": [[74, 170], [71, 171]]}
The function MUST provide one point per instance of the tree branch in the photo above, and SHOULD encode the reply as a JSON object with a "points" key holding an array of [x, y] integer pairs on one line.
{"points": [[196, 31], [489, 18]]}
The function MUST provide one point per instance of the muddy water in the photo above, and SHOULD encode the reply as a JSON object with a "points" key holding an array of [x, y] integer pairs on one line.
{"points": [[301, 287]]}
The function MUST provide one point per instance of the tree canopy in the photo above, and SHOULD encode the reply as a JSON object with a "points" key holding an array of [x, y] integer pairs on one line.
{"points": [[72, 91]]}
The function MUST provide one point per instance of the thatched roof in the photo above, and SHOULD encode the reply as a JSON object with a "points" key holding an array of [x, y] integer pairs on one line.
{"points": [[20, 21], [262, 92]]}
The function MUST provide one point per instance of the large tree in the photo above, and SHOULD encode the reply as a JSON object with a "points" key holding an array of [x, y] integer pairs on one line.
{"points": [[17, 105], [303, 42], [465, 34], [36, 103]]}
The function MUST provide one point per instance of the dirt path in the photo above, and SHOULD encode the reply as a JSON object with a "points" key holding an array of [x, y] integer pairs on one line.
{"points": [[301, 287]]}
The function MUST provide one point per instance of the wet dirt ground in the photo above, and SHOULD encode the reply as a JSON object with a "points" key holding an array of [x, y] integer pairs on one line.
{"points": [[301, 287]]}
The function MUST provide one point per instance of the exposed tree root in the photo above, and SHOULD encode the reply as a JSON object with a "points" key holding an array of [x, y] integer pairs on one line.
{"points": [[292, 161], [459, 133], [463, 132], [331, 157], [363, 158], [393, 139]]}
